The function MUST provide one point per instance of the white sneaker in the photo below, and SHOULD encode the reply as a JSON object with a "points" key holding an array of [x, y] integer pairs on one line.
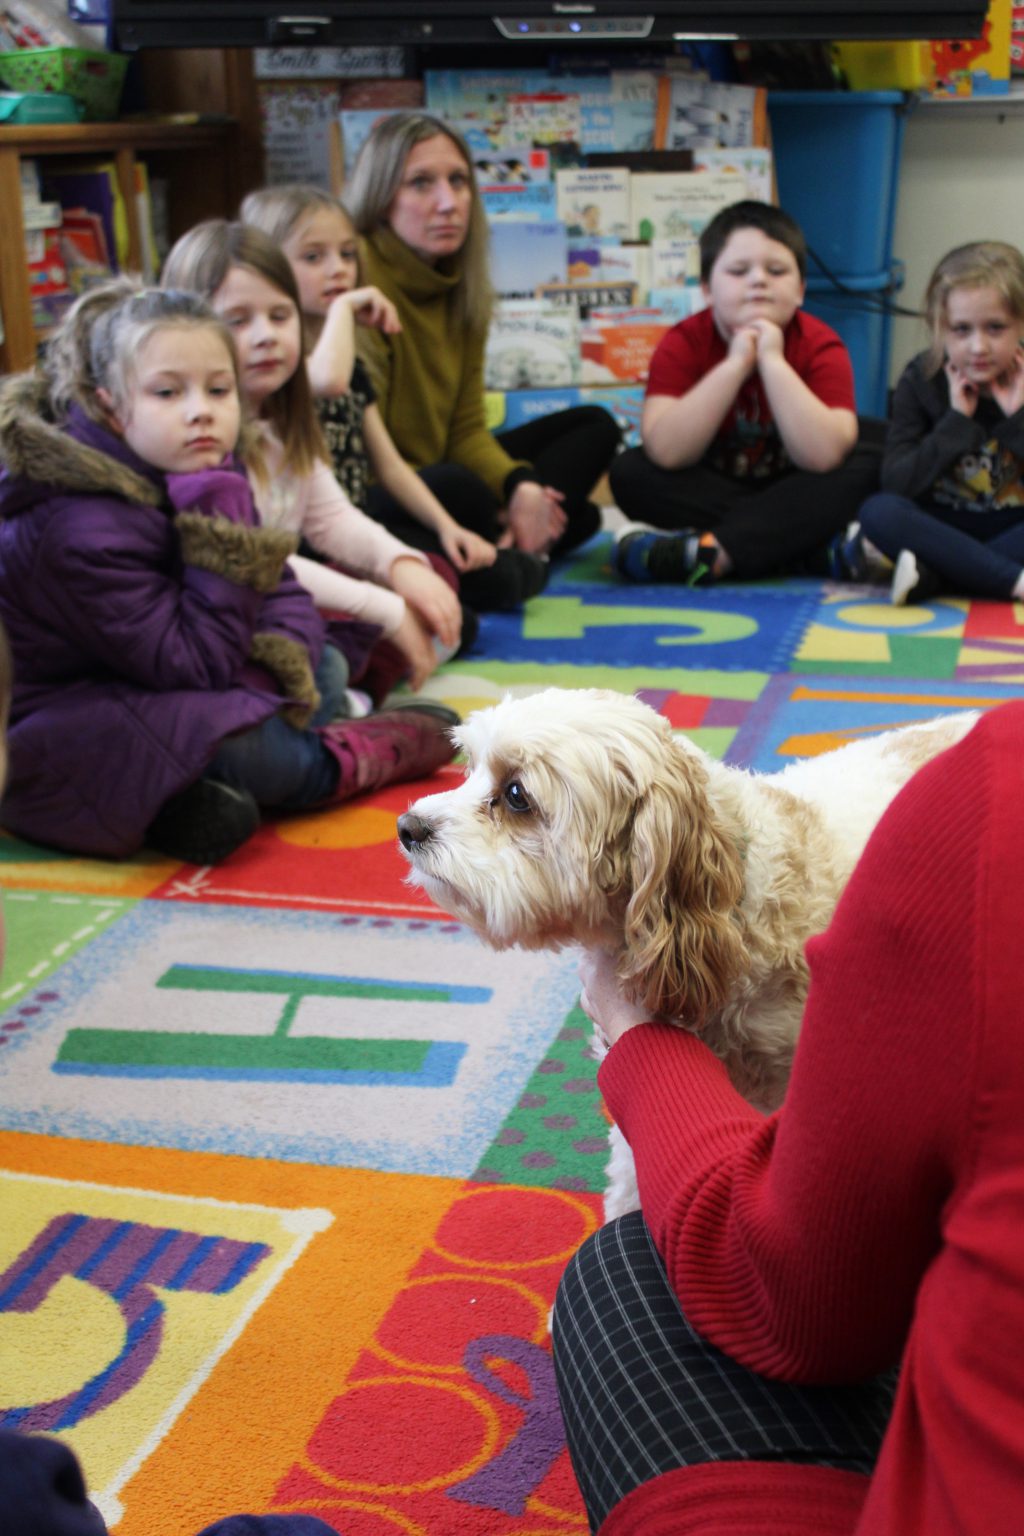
{"points": [[905, 578]]}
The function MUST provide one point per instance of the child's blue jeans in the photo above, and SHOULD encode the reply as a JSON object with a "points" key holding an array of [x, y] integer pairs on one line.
{"points": [[281, 767], [967, 562]]}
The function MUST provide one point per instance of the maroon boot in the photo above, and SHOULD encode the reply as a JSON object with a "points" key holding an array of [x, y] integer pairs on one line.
{"points": [[396, 744]]}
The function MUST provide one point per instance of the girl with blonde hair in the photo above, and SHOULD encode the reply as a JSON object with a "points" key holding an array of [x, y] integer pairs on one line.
{"points": [[316, 235], [951, 510], [247, 280], [171, 677]]}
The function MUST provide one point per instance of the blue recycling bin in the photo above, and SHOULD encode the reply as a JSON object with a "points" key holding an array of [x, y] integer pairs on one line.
{"points": [[857, 311], [837, 159]]}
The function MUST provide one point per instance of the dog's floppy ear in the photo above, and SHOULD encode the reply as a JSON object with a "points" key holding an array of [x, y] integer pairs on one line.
{"points": [[682, 944]]}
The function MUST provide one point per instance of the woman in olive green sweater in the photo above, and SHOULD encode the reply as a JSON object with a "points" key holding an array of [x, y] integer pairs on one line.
{"points": [[413, 197]]}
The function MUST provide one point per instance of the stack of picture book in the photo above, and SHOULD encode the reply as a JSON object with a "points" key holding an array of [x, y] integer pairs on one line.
{"points": [[76, 231]]}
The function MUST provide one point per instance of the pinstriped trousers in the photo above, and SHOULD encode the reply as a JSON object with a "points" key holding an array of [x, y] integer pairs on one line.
{"points": [[642, 1393]]}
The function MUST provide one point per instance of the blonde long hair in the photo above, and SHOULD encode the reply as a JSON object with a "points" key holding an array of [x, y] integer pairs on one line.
{"points": [[67, 363], [373, 187], [201, 261], [980, 264], [277, 210]]}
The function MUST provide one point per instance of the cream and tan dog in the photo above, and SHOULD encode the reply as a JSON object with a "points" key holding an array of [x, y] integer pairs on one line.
{"points": [[583, 820]]}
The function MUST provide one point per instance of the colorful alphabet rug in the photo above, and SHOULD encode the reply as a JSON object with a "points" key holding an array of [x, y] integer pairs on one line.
{"points": [[290, 1164]]}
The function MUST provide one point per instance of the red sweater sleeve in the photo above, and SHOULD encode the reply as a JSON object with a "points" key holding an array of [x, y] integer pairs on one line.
{"points": [[797, 1243]]}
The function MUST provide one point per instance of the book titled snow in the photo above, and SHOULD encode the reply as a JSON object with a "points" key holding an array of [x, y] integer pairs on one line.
{"points": [[525, 255], [680, 203], [516, 407], [594, 202], [531, 344]]}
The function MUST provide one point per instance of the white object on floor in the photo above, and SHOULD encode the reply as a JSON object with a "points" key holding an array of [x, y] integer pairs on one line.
{"points": [[905, 577]]}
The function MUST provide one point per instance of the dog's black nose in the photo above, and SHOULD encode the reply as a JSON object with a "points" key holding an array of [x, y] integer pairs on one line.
{"points": [[412, 830]]}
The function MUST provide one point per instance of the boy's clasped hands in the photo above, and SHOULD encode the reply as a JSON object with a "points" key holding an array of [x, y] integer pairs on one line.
{"points": [[755, 343]]}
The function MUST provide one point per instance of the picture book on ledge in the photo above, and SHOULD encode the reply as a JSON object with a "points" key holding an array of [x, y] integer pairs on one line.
{"points": [[532, 344], [677, 204], [524, 255], [594, 203], [705, 114], [616, 345]]}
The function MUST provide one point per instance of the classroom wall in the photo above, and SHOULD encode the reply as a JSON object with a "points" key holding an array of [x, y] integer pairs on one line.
{"points": [[962, 178]]}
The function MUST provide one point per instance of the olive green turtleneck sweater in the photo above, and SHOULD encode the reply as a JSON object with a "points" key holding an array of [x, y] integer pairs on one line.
{"points": [[429, 378]]}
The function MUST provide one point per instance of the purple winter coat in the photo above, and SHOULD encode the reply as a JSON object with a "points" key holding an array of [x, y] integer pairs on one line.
{"points": [[133, 624]]}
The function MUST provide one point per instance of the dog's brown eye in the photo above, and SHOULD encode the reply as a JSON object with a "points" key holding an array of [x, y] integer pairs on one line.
{"points": [[516, 797]]}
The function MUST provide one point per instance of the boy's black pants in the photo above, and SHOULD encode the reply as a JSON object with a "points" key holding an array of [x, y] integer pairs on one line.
{"points": [[765, 526]]}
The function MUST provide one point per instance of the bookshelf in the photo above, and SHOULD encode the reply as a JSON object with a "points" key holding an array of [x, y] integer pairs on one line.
{"points": [[203, 139]]}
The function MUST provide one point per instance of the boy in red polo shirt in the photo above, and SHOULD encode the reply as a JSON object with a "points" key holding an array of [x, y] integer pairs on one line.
{"points": [[749, 425]]}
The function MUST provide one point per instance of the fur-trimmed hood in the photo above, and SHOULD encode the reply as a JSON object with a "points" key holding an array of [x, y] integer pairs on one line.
{"points": [[78, 455]]}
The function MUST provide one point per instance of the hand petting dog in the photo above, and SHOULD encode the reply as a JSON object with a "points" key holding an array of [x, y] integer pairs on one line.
{"points": [[603, 1000]]}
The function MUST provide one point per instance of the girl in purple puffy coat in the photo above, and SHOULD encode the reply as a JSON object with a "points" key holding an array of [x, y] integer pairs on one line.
{"points": [[171, 676]]}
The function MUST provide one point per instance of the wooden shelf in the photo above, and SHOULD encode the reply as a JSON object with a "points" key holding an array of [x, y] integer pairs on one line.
{"points": [[91, 138], [169, 145], [208, 161]]}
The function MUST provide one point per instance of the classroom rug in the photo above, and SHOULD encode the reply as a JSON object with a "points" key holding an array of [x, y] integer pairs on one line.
{"points": [[290, 1164]]}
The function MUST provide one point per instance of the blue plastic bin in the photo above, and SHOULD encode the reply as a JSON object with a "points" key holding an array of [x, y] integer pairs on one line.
{"points": [[837, 158], [864, 326]]}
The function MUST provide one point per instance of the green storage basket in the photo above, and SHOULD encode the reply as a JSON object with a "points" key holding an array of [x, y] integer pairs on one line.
{"points": [[92, 77]]}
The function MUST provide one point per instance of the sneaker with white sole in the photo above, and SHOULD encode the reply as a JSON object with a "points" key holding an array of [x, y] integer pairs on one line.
{"points": [[852, 557], [654, 556]]}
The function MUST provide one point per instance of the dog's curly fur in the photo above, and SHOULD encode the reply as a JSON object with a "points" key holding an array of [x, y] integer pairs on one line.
{"points": [[584, 820]]}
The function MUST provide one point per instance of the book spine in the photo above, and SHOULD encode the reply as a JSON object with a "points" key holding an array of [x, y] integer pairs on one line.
{"points": [[663, 111]]}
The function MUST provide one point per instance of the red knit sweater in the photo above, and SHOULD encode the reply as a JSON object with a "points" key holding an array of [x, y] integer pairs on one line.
{"points": [[879, 1215]]}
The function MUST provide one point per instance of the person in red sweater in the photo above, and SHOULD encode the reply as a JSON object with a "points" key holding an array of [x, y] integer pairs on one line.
{"points": [[816, 1326]]}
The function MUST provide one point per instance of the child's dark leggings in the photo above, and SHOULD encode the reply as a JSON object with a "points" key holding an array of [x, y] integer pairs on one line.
{"points": [[765, 526], [642, 1393], [965, 561]]}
